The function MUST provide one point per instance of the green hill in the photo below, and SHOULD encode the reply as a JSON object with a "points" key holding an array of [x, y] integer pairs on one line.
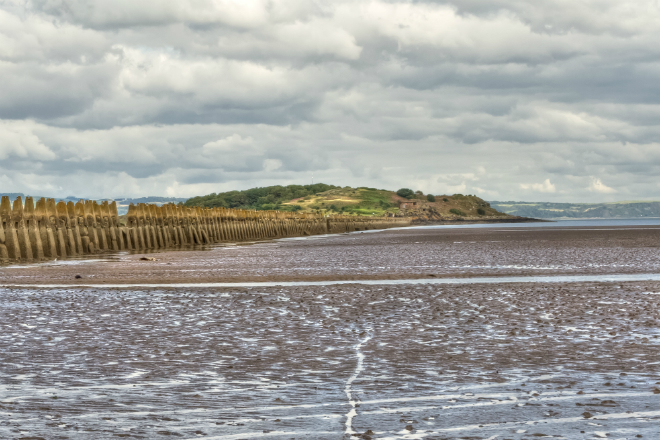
{"points": [[330, 199]]}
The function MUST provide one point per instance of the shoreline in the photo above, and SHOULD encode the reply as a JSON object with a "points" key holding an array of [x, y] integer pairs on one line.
{"points": [[473, 221]]}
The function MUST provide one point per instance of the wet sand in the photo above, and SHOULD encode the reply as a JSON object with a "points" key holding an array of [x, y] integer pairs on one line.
{"points": [[481, 361], [393, 254]]}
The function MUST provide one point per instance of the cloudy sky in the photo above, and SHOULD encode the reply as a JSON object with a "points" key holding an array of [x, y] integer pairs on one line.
{"points": [[555, 100]]}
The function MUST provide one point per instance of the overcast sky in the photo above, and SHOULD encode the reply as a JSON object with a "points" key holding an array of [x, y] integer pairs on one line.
{"points": [[554, 100]]}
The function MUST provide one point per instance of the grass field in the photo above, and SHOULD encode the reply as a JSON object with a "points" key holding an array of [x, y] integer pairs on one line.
{"points": [[372, 201]]}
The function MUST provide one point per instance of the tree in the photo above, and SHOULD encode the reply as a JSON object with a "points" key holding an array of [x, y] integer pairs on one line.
{"points": [[430, 198], [405, 192], [258, 198]]}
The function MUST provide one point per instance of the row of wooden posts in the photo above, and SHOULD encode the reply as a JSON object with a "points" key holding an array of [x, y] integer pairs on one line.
{"points": [[49, 230]]}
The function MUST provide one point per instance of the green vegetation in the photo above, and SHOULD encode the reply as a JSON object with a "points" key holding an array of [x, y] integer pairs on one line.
{"points": [[406, 193], [330, 199], [361, 201], [266, 198]]}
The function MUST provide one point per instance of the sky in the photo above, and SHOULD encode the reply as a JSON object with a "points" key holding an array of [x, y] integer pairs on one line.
{"points": [[555, 100]]}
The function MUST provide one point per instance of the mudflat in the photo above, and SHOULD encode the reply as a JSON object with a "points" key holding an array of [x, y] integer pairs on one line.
{"points": [[480, 361], [392, 254]]}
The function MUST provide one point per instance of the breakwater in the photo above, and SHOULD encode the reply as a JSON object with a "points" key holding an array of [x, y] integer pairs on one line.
{"points": [[47, 230]]}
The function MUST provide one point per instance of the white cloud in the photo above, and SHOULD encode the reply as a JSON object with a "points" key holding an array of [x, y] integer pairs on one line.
{"points": [[18, 140], [599, 187], [545, 187]]}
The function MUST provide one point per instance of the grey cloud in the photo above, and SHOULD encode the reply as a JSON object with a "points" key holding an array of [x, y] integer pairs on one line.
{"points": [[509, 98]]}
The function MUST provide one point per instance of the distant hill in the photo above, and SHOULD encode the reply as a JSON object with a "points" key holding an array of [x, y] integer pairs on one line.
{"points": [[14, 196], [546, 210], [150, 199], [331, 199], [123, 203]]}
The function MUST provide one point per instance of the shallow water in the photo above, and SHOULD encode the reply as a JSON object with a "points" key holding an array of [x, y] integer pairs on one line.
{"points": [[476, 280], [600, 222]]}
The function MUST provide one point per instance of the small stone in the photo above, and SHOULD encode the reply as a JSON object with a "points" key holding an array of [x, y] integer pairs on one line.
{"points": [[586, 415]]}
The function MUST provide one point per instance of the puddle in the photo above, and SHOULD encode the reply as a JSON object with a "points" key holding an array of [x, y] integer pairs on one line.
{"points": [[473, 280]]}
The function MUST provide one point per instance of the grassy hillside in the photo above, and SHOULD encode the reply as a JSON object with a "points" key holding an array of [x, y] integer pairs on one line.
{"points": [[330, 199], [372, 201], [629, 209], [265, 198]]}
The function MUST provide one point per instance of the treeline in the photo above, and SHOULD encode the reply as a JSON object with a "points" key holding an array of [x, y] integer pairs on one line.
{"points": [[265, 198]]}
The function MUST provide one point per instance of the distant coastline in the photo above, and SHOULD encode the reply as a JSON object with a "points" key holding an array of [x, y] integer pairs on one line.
{"points": [[575, 211]]}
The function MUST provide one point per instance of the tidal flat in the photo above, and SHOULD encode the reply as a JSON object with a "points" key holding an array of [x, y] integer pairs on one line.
{"points": [[87, 358]]}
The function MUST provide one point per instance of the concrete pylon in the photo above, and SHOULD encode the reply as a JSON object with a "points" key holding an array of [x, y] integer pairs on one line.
{"points": [[133, 225], [22, 234], [90, 220], [75, 227], [100, 226], [32, 222], [67, 228], [115, 226], [11, 237], [4, 255], [83, 229], [106, 224], [56, 229]]}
